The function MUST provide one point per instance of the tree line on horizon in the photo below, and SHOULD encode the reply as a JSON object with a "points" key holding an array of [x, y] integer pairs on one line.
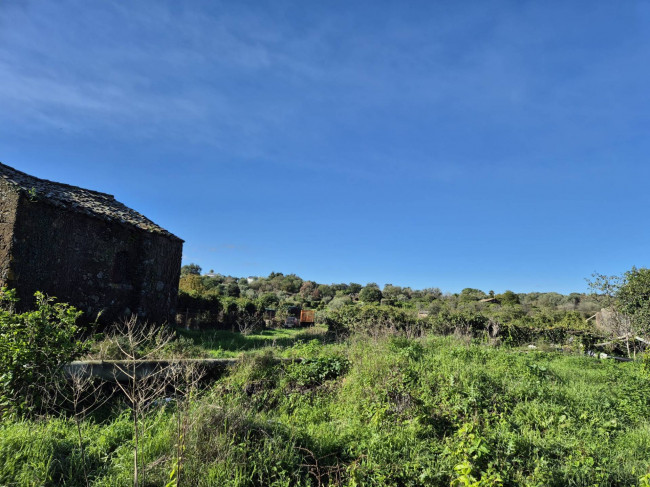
{"points": [[216, 301], [289, 289], [617, 307]]}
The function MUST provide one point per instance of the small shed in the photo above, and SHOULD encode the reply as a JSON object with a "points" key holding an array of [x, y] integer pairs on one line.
{"points": [[307, 317], [85, 248]]}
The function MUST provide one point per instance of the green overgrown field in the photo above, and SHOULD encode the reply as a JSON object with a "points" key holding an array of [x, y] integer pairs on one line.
{"points": [[385, 411]]}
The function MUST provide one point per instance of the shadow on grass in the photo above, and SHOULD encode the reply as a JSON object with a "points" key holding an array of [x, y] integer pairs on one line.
{"points": [[220, 341]]}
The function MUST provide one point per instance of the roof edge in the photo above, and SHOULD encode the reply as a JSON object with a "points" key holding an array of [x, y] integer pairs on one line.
{"points": [[109, 200], [71, 186]]}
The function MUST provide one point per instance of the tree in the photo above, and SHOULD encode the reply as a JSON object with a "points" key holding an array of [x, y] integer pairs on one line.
{"points": [[326, 291], [307, 289], [391, 292], [470, 294], [508, 298], [605, 290], [432, 292], [137, 343], [268, 300], [232, 289], [191, 269], [191, 283], [370, 294], [550, 300], [290, 284], [208, 282], [249, 320], [316, 295], [354, 288], [342, 288], [339, 302], [573, 300], [634, 299]]}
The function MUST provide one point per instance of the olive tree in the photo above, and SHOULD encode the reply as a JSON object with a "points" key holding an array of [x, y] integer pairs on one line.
{"points": [[634, 299], [371, 293], [626, 303], [191, 269]]}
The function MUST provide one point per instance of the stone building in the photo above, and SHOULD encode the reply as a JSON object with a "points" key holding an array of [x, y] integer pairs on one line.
{"points": [[85, 248]]}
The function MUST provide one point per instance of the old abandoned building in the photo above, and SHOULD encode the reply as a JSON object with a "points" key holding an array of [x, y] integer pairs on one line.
{"points": [[85, 248]]}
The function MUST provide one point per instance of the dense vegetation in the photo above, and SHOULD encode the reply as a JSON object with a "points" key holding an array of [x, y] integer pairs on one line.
{"points": [[31, 345], [389, 411], [214, 301], [394, 387], [279, 289]]}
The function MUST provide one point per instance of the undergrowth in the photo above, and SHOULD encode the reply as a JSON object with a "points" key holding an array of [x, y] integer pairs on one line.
{"points": [[389, 412]]}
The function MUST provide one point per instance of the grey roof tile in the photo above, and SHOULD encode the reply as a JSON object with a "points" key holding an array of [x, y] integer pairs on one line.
{"points": [[80, 200]]}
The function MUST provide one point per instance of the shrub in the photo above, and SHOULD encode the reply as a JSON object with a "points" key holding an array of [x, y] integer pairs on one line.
{"points": [[32, 347], [461, 322], [315, 371], [372, 320]]}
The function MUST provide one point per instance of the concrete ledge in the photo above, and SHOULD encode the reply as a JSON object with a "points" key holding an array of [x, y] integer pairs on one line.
{"points": [[122, 370]]}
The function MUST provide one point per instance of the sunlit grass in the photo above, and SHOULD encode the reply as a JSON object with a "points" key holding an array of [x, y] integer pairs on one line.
{"points": [[388, 411], [226, 344]]}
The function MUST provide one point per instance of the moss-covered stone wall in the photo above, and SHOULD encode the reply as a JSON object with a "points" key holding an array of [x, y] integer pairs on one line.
{"points": [[106, 269], [8, 208]]}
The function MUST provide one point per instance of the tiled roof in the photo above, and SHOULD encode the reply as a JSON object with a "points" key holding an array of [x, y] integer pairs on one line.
{"points": [[92, 203]]}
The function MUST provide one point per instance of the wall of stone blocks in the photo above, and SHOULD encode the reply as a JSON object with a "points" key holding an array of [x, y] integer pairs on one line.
{"points": [[8, 209], [105, 269]]}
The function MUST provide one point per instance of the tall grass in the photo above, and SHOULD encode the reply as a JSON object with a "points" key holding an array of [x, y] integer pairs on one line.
{"points": [[391, 411]]}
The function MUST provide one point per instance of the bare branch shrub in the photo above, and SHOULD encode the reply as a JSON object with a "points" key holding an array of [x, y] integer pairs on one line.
{"points": [[141, 382], [323, 474], [248, 322]]}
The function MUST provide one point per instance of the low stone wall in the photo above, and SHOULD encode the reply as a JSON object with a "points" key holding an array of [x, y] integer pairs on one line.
{"points": [[123, 370]]}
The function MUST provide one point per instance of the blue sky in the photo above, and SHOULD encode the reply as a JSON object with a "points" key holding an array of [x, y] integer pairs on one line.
{"points": [[488, 144]]}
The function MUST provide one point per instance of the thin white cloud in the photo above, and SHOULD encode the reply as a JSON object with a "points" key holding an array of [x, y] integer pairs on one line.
{"points": [[242, 80]]}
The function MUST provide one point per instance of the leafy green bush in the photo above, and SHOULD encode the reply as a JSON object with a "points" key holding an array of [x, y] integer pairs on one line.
{"points": [[374, 320], [195, 301], [510, 323], [634, 299], [32, 346], [463, 322], [315, 371], [554, 328]]}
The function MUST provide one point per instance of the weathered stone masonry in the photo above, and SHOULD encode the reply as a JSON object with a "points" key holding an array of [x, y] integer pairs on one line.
{"points": [[85, 248]]}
